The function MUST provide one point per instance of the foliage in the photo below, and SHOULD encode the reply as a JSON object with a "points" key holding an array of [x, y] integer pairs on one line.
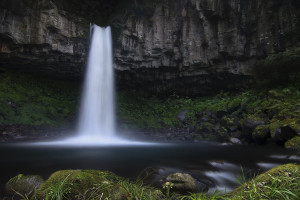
{"points": [[281, 182], [33, 100], [277, 104], [280, 67], [200, 196]]}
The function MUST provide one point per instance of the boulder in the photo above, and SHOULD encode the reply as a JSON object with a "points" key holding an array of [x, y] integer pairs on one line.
{"points": [[24, 185], [235, 141], [250, 124], [283, 133], [261, 133], [79, 184], [182, 183]]}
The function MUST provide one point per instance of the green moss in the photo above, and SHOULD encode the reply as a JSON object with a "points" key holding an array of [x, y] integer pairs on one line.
{"points": [[293, 123], [33, 100], [93, 184], [140, 111], [261, 133], [293, 143], [71, 184], [282, 182]]}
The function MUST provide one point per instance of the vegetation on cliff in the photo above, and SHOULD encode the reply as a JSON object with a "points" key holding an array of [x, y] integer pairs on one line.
{"points": [[36, 101], [224, 113]]}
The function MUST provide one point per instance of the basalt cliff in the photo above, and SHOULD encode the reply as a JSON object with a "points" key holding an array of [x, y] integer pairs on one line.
{"points": [[189, 47]]}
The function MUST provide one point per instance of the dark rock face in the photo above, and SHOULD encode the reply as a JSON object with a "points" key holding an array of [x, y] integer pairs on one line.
{"points": [[41, 38], [197, 46], [188, 47]]}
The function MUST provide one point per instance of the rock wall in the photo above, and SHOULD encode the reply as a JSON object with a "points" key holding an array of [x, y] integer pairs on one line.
{"points": [[188, 47], [199, 46], [40, 37]]}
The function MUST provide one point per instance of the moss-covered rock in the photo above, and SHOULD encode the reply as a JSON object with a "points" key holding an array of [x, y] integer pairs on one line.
{"points": [[93, 184], [293, 143], [261, 133], [252, 122], [23, 185], [78, 184], [282, 182], [281, 131], [182, 183]]}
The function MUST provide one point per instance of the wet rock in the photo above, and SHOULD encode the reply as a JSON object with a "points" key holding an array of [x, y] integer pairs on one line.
{"points": [[23, 184], [250, 124], [181, 116], [261, 133], [283, 133], [201, 186], [235, 141], [182, 183]]}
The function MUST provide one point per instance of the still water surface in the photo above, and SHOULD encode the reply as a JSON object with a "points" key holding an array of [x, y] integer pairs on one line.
{"points": [[216, 163]]}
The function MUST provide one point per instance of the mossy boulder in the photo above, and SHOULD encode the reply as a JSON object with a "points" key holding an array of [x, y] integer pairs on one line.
{"points": [[80, 184], [293, 143], [281, 131], [261, 133], [25, 185], [281, 182], [182, 183], [93, 184]]}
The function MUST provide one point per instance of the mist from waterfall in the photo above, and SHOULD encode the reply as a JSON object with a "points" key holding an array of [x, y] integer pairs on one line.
{"points": [[97, 113]]}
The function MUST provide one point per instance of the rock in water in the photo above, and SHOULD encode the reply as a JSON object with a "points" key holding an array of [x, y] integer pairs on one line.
{"points": [[182, 183], [235, 141], [261, 133], [23, 184]]}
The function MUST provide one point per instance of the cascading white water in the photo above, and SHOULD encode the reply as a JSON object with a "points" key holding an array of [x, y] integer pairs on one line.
{"points": [[97, 117], [96, 124]]}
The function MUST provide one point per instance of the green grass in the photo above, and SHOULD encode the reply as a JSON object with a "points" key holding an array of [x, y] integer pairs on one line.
{"points": [[281, 182]]}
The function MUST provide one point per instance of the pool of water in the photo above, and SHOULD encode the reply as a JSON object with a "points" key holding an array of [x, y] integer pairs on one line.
{"points": [[216, 163]]}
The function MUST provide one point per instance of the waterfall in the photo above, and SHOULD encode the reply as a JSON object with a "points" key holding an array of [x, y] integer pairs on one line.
{"points": [[96, 125], [97, 116]]}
